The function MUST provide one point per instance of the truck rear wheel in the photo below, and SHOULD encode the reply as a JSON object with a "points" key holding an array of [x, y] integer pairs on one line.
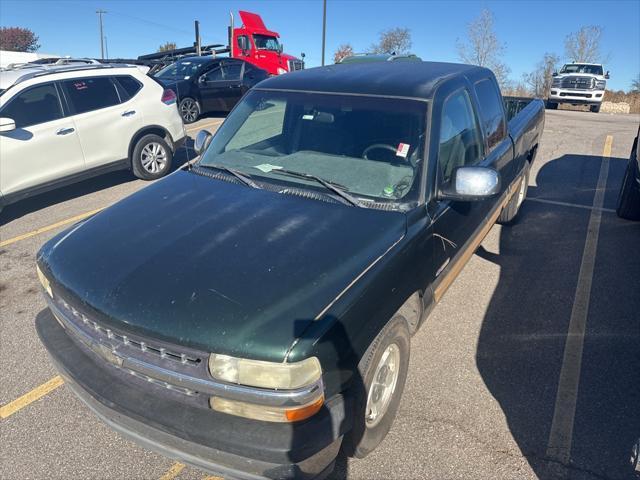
{"points": [[594, 108], [629, 197], [382, 375], [511, 209]]}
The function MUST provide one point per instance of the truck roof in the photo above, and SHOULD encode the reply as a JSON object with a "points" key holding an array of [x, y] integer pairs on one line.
{"points": [[393, 79]]}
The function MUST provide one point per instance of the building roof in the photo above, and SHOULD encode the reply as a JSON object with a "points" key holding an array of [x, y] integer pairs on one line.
{"points": [[394, 79]]}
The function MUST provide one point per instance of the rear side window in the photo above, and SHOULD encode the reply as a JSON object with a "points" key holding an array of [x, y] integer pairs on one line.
{"points": [[460, 139], [35, 105], [88, 94], [128, 86], [491, 112], [232, 71]]}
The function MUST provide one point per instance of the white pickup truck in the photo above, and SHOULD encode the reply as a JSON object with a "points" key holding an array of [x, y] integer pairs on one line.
{"points": [[578, 84]]}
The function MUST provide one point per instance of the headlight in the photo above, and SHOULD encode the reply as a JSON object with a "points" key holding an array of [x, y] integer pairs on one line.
{"points": [[44, 281], [556, 82], [268, 375], [281, 70], [601, 84], [257, 373]]}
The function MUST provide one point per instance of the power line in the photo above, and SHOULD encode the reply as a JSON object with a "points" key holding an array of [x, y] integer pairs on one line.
{"points": [[150, 22]]}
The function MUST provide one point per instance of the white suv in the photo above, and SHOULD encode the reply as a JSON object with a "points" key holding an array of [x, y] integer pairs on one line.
{"points": [[65, 123], [578, 84]]}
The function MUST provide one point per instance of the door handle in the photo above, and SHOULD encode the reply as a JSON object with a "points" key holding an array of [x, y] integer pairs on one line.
{"points": [[65, 131], [128, 113]]}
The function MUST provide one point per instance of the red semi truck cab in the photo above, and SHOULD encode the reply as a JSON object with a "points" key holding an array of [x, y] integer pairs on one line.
{"points": [[254, 43]]}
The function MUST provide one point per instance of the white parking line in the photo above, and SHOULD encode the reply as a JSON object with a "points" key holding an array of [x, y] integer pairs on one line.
{"points": [[567, 204], [561, 434]]}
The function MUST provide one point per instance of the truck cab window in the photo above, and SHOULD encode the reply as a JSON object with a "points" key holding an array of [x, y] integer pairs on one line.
{"points": [[491, 112], [33, 106], [460, 139]]}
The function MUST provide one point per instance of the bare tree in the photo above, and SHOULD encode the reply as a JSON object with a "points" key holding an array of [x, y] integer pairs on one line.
{"points": [[344, 50], [396, 40], [635, 85], [584, 45], [483, 48], [539, 81], [167, 46]]}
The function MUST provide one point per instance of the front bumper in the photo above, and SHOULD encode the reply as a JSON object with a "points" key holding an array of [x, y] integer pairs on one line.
{"points": [[225, 445], [587, 97]]}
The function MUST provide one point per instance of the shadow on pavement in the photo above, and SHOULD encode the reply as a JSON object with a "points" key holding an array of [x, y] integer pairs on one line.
{"points": [[521, 345]]}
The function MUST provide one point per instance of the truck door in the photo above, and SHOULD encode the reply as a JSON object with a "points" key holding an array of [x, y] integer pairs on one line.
{"points": [[458, 142]]}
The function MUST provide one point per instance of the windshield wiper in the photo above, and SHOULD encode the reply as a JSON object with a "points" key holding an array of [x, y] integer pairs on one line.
{"points": [[243, 178], [336, 188]]}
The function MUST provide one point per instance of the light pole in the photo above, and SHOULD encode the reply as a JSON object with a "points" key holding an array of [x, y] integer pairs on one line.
{"points": [[324, 26], [100, 13]]}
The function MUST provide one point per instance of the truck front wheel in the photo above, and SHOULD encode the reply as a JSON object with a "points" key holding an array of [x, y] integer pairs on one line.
{"points": [[552, 105], [381, 376], [595, 108]]}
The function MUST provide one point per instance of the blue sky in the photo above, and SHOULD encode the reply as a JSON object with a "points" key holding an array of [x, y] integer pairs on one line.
{"points": [[528, 28]]}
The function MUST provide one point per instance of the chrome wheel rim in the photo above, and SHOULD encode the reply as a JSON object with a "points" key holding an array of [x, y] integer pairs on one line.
{"points": [[523, 189], [383, 385], [153, 157], [189, 110]]}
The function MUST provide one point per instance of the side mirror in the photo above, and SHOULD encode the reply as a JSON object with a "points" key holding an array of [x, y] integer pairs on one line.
{"points": [[606, 75], [242, 43], [7, 125], [280, 48], [202, 141], [470, 184], [554, 74], [302, 55], [202, 78]]}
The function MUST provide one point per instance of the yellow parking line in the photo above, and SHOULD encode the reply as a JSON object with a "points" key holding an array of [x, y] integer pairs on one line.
{"points": [[205, 125], [32, 396], [49, 227], [173, 471], [211, 477]]}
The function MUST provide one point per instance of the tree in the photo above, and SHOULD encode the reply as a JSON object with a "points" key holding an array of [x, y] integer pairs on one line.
{"points": [[395, 40], [17, 39], [539, 81], [483, 47], [167, 46], [344, 50], [635, 85], [584, 45]]}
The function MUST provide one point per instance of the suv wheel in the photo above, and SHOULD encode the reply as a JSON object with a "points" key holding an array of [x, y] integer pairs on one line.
{"points": [[594, 108], [151, 158], [189, 110]]}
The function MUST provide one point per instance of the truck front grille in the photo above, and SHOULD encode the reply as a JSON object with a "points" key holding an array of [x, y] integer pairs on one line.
{"points": [[578, 83]]}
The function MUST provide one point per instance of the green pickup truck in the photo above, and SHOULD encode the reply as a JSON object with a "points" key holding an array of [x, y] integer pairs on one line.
{"points": [[251, 314]]}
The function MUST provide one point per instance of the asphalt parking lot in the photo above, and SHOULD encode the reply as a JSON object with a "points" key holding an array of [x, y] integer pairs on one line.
{"points": [[528, 368]]}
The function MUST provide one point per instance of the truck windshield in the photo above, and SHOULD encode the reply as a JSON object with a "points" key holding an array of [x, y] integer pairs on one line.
{"points": [[266, 42], [371, 147], [183, 69], [581, 68]]}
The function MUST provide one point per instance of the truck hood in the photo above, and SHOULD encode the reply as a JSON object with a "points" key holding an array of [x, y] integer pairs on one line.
{"points": [[216, 266]]}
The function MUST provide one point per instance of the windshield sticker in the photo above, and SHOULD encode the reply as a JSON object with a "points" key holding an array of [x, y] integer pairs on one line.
{"points": [[307, 117], [402, 150], [267, 167]]}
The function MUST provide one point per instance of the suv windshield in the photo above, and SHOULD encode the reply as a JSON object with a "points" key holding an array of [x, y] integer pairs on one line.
{"points": [[580, 68], [371, 147], [183, 69], [266, 42]]}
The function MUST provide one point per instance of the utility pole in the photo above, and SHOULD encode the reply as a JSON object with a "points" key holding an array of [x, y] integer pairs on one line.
{"points": [[106, 47], [197, 43], [324, 26], [100, 13]]}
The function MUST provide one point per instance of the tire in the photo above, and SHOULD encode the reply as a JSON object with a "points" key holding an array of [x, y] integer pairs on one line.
{"points": [[151, 157], [629, 197], [511, 209], [552, 105], [594, 108], [391, 344], [189, 109]]}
